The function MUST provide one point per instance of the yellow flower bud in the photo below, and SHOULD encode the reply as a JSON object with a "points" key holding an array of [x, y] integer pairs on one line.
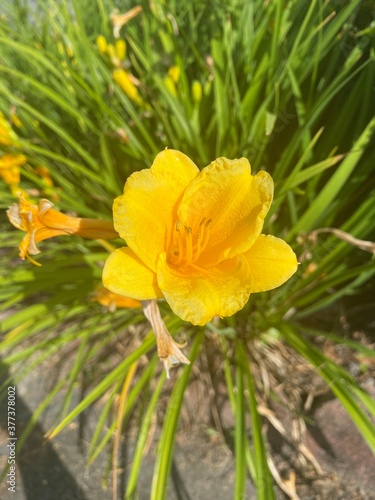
{"points": [[7, 135], [41, 221], [111, 51], [60, 48], [120, 49], [113, 301], [10, 168], [69, 51], [16, 121], [174, 72], [101, 43], [196, 90], [170, 85], [124, 81]]}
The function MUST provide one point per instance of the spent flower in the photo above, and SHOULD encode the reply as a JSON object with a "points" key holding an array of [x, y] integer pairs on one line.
{"points": [[113, 301], [118, 20], [42, 222]]}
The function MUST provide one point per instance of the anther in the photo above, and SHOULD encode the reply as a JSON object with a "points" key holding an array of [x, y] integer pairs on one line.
{"points": [[202, 221], [178, 224]]}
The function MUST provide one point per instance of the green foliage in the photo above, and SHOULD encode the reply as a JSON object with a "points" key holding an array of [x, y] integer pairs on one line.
{"points": [[289, 85]]}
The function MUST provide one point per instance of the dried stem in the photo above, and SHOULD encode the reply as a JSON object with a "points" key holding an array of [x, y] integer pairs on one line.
{"points": [[168, 349]]}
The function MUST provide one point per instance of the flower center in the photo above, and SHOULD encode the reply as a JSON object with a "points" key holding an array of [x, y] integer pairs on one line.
{"points": [[188, 244]]}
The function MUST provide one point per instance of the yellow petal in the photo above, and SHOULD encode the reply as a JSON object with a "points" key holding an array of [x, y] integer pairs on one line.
{"points": [[236, 202], [144, 213], [271, 262], [126, 275], [112, 300], [200, 294]]}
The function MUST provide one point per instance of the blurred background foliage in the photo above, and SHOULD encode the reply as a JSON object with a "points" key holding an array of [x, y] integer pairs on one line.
{"points": [[86, 101]]}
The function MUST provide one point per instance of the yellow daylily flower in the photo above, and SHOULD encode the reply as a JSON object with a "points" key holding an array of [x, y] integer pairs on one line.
{"points": [[10, 168], [42, 222], [194, 237], [125, 81], [114, 301]]}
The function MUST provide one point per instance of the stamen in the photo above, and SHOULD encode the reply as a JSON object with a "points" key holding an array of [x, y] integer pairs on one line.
{"points": [[189, 245], [202, 238], [206, 235], [180, 244]]}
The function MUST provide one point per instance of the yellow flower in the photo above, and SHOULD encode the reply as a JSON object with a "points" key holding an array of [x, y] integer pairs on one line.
{"points": [[124, 80], [195, 238], [42, 222], [114, 301], [7, 135], [10, 168]]}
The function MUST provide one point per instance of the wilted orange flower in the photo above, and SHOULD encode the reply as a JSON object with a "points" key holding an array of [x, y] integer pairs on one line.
{"points": [[195, 238], [42, 222], [114, 301], [118, 20]]}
